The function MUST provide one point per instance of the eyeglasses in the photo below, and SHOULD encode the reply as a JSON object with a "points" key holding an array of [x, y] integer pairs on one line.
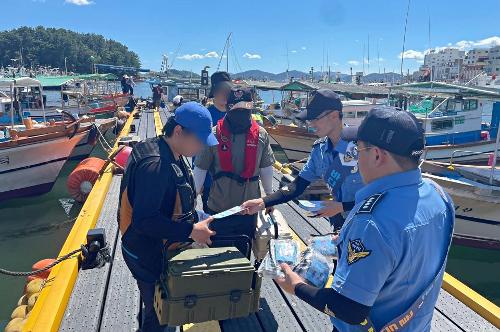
{"points": [[365, 148], [321, 117]]}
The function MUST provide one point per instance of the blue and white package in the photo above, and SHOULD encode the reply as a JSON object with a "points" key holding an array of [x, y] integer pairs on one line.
{"points": [[284, 251], [314, 268], [324, 244]]}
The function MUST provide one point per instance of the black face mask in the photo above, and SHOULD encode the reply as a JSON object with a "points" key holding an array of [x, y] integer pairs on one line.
{"points": [[239, 120]]}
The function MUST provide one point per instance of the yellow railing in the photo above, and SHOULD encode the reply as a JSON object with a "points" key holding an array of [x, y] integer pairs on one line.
{"points": [[49, 309]]}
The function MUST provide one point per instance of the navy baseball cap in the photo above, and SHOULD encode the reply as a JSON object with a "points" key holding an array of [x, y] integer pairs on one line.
{"points": [[322, 100], [240, 97], [219, 80], [391, 129], [197, 119]]}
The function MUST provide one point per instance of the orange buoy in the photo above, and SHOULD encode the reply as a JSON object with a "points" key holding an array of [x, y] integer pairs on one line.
{"points": [[83, 177], [122, 156], [40, 265]]}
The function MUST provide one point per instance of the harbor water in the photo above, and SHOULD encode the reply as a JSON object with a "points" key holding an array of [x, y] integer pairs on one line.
{"points": [[35, 228]]}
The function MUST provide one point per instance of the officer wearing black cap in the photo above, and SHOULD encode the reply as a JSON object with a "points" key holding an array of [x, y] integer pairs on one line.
{"points": [[332, 159], [394, 245], [243, 157]]}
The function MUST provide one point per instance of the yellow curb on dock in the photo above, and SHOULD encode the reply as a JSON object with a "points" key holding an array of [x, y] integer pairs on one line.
{"points": [[483, 307], [51, 304], [158, 124]]}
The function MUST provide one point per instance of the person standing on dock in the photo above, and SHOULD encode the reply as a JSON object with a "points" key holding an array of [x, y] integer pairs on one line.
{"points": [[394, 245], [243, 157], [220, 86], [332, 159], [157, 200], [157, 94]]}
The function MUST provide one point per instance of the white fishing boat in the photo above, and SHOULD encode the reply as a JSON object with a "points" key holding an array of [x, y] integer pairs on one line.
{"points": [[460, 122], [475, 191], [31, 157]]}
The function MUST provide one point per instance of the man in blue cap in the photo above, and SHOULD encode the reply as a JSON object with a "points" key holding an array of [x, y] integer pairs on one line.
{"points": [[157, 199], [332, 159], [394, 245]]}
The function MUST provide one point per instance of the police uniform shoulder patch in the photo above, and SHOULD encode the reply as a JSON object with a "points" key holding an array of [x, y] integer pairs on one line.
{"points": [[356, 250], [320, 140], [177, 170], [369, 204]]}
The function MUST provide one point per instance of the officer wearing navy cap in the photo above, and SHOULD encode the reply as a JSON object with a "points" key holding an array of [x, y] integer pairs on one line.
{"points": [[394, 245], [332, 159], [157, 199]]}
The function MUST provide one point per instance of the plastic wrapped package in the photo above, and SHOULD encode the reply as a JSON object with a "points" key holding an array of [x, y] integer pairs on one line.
{"points": [[325, 245], [284, 251], [314, 267]]}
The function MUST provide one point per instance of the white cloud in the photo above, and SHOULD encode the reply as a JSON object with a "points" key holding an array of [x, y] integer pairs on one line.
{"points": [[412, 54], [353, 62], [79, 2], [335, 63], [190, 57], [463, 45], [293, 51], [252, 56], [303, 48], [212, 54], [197, 56]]}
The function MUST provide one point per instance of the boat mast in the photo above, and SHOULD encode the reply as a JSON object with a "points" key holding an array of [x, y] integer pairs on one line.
{"points": [[404, 38]]}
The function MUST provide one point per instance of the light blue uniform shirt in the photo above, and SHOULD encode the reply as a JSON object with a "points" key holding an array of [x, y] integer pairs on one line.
{"points": [[392, 246], [337, 166]]}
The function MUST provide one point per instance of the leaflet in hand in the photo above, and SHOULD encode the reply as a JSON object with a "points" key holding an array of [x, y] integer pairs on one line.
{"points": [[311, 206], [227, 213]]}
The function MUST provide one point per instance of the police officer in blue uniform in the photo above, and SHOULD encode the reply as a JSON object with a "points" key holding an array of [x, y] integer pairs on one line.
{"points": [[394, 244], [332, 159]]}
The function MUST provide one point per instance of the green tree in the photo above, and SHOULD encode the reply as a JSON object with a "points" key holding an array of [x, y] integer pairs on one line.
{"points": [[49, 47]]}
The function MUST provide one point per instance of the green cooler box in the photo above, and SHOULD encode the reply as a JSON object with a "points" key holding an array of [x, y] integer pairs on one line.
{"points": [[207, 284]]}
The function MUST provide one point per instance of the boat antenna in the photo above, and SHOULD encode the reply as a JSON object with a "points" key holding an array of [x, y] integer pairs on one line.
{"points": [[363, 61], [287, 61], [378, 55], [368, 64], [404, 38]]}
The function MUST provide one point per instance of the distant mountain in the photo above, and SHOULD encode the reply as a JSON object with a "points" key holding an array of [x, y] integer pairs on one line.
{"points": [[260, 75], [182, 73]]}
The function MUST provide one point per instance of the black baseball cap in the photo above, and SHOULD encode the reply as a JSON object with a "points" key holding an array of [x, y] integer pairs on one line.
{"points": [[219, 80], [240, 97], [391, 129], [322, 100]]}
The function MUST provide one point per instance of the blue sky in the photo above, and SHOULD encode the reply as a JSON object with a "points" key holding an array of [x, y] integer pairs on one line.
{"points": [[262, 30]]}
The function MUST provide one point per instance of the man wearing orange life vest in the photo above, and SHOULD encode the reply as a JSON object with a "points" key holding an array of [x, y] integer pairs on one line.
{"points": [[243, 157]]}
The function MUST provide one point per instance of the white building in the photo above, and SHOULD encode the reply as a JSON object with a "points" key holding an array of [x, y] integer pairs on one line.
{"points": [[445, 64], [493, 62], [474, 63]]}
